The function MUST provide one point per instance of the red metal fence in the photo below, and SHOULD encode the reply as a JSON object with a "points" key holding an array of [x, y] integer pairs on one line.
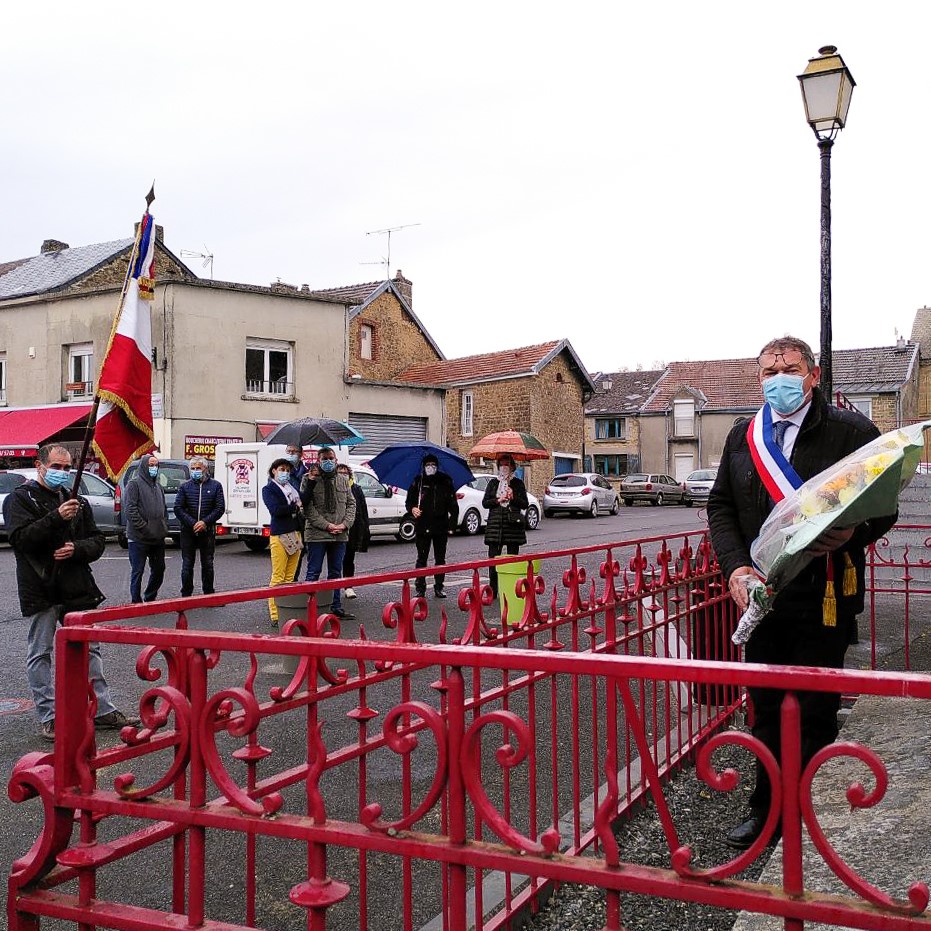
{"points": [[420, 775]]}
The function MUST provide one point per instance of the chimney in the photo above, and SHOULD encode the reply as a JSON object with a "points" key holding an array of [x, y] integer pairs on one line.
{"points": [[901, 344], [282, 287], [53, 245], [405, 287]]}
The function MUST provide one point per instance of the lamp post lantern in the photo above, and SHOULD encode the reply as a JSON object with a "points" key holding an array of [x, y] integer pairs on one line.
{"points": [[827, 86]]}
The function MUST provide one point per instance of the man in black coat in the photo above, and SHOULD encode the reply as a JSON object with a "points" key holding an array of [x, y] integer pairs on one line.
{"points": [[55, 540], [199, 504], [797, 631], [431, 499]]}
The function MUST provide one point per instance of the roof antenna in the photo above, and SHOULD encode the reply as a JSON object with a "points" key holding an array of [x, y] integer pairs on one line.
{"points": [[206, 255], [386, 261]]}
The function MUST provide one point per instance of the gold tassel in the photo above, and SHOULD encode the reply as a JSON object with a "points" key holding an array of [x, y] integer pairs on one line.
{"points": [[829, 605], [850, 576]]}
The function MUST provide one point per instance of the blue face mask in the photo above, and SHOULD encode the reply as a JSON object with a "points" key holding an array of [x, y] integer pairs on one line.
{"points": [[784, 393], [55, 478], [197, 474], [327, 465], [153, 471], [294, 458], [283, 477]]}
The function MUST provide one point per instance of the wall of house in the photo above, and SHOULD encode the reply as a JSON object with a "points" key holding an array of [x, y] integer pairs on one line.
{"points": [[115, 273], [398, 342], [629, 447], [658, 451]]}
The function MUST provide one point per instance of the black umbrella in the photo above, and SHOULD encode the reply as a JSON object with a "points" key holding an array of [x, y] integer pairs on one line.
{"points": [[315, 431]]}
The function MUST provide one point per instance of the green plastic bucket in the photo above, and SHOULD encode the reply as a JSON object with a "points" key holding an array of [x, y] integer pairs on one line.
{"points": [[509, 574]]}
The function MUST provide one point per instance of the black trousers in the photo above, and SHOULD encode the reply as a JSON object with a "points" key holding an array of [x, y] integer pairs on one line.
{"points": [[192, 544], [438, 539], [798, 639], [349, 561]]}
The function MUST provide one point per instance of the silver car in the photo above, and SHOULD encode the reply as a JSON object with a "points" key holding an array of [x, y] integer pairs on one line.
{"points": [[655, 487], [581, 493], [698, 486]]}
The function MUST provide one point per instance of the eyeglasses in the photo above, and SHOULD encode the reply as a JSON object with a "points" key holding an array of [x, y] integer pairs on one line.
{"points": [[59, 467], [768, 360]]}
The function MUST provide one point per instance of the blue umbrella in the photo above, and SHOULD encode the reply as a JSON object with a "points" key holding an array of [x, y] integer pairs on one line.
{"points": [[401, 463]]}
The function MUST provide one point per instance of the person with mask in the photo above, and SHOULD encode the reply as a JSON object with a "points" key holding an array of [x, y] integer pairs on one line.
{"points": [[199, 504], [146, 516], [55, 539], [431, 499], [796, 433], [294, 453], [359, 534], [287, 525], [329, 513], [506, 500]]}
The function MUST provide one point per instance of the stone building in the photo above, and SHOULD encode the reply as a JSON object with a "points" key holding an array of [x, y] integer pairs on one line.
{"points": [[685, 420], [538, 389], [612, 422], [230, 360]]}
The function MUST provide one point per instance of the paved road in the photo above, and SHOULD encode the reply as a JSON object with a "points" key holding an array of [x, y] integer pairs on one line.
{"points": [[239, 568]]}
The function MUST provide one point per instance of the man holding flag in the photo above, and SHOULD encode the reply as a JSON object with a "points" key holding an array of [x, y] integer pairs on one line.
{"points": [[793, 437]]}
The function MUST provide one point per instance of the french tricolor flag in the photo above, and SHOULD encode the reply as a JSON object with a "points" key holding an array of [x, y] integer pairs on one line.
{"points": [[123, 430]]}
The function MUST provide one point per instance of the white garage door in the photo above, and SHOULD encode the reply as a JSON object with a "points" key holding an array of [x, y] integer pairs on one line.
{"points": [[381, 430], [685, 463]]}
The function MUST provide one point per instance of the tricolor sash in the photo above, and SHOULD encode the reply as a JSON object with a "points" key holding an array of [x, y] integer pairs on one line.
{"points": [[775, 471]]}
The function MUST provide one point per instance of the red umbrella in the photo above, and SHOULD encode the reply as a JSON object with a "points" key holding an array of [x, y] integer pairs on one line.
{"points": [[522, 446]]}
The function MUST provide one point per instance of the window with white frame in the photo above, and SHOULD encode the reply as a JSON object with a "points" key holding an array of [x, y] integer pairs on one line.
{"points": [[468, 402], [79, 376], [366, 341], [2, 378], [269, 367], [684, 417], [864, 405]]}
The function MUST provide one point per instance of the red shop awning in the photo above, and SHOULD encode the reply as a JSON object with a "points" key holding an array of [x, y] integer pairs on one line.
{"points": [[24, 430], [265, 427]]}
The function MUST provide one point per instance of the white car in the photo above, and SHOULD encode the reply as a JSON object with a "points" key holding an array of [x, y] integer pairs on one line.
{"points": [[473, 516], [388, 515]]}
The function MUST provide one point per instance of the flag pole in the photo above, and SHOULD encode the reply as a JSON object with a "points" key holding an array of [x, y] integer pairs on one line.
{"points": [[92, 417]]}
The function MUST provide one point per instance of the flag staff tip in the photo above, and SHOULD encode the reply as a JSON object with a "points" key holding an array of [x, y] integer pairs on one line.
{"points": [[150, 196]]}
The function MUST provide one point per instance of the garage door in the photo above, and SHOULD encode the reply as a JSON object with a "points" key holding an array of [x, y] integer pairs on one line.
{"points": [[382, 430]]}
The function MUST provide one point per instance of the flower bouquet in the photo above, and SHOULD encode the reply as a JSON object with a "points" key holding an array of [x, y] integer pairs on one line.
{"points": [[861, 486]]}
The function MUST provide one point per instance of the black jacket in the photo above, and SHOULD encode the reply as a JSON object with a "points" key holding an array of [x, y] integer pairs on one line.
{"points": [[739, 503], [36, 530], [502, 527], [199, 501], [359, 533], [437, 502]]}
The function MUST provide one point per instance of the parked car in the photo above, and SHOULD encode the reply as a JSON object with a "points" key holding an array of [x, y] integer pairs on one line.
{"points": [[388, 514], [473, 515], [698, 486], [8, 481], [655, 487], [580, 492], [171, 473], [100, 494]]}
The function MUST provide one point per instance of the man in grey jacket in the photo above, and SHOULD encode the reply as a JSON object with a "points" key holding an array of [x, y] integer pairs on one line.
{"points": [[146, 529], [329, 512]]}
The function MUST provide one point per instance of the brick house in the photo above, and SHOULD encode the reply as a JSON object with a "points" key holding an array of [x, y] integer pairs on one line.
{"points": [[538, 389], [685, 420], [230, 360], [612, 421]]}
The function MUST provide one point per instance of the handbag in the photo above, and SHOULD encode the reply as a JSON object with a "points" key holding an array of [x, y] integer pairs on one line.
{"points": [[291, 541], [515, 518]]}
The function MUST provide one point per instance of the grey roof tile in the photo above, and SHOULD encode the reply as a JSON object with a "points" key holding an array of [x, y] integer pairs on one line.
{"points": [[53, 271]]}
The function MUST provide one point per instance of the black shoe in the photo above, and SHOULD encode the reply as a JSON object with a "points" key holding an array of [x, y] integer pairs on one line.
{"points": [[420, 593], [746, 833], [439, 592], [341, 614]]}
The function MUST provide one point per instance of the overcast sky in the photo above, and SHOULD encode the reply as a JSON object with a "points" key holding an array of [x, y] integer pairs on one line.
{"points": [[636, 177]]}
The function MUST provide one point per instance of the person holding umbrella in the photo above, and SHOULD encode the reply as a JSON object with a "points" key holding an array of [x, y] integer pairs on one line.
{"points": [[431, 499], [506, 499], [329, 512]]}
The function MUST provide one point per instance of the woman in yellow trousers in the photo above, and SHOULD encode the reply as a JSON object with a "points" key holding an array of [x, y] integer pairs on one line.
{"points": [[287, 527]]}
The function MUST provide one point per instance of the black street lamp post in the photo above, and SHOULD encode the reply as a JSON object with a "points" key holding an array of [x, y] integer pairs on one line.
{"points": [[827, 86]]}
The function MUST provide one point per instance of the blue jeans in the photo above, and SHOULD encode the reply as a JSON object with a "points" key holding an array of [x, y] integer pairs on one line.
{"points": [[334, 553], [138, 554], [39, 643], [192, 544]]}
